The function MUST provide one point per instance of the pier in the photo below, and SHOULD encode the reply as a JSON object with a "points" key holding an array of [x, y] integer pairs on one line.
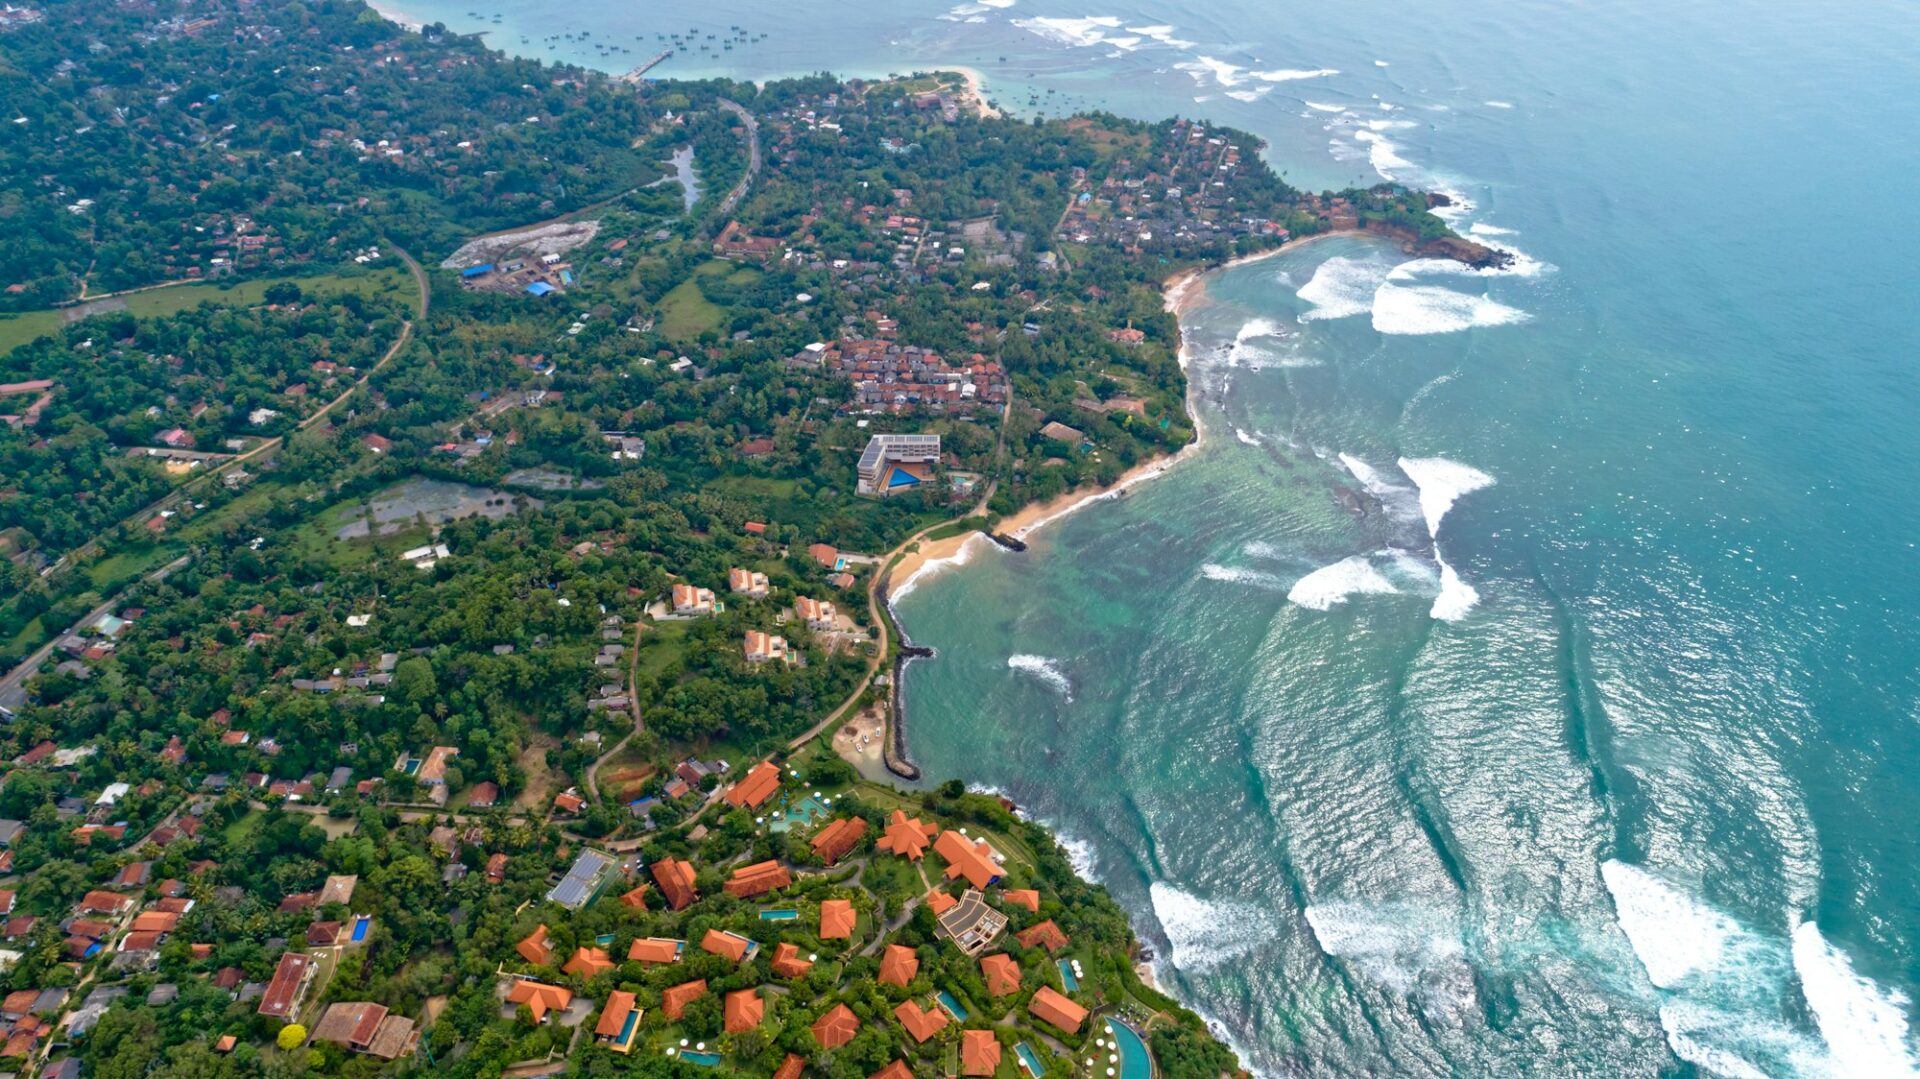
{"points": [[640, 72]]}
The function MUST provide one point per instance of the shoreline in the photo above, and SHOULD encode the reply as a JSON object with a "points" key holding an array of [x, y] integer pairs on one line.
{"points": [[397, 17], [1180, 293], [976, 90]]}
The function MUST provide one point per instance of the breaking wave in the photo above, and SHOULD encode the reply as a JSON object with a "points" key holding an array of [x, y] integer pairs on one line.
{"points": [[1864, 1026], [1441, 483], [1046, 670], [1204, 933], [1205, 69], [960, 557], [1426, 309], [1343, 287], [1213, 571], [1725, 987], [1394, 944], [1330, 586], [1083, 32]]}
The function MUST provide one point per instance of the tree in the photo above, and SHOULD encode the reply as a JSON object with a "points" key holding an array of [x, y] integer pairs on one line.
{"points": [[291, 1036]]}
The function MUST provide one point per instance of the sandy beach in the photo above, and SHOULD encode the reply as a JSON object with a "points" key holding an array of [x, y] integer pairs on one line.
{"points": [[976, 89], [930, 556], [398, 18]]}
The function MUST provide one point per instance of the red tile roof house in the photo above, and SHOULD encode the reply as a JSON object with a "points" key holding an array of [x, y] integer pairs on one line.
{"points": [[1049, 1006], [837, 919], [536, 948], [1045, 935], [753, 790], [675, 879], [282, 998], [732, 945], [675, 1000], [898, 965], [787, 962], [836, 1028], [1002, 974], [967, 858], [655, 951], [838, 838], [979, 1052], [744, 1009], [758, 879], [919, 1024]]}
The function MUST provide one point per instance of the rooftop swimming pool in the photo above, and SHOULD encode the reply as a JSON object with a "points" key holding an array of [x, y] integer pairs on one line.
{"points": [[1135, 1061]]}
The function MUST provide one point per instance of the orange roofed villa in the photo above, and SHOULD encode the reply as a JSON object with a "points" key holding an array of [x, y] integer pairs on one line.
{"points": [[760, 647], [688, 600], [755, 788]]}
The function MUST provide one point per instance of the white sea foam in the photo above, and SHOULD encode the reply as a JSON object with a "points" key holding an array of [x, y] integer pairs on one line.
{"points": [[1254, 94], [999, 3], [1500, 104], [1245, 438], [1342, 287], [1399, 500], [1204, 933], [1382, 154], [1203, 68], [1442, 483], [1253, 347], [960, 557], [1722, 984], [1864, 1025], [1425, 309], [1261, 549], [1379, 63], [1045, 669], [1480, 228], [1390, 125], [1083, 32], [1289, 74], [1214, 571], [1330, 586], [1163, 34], [1391, 943], [1319, 106]]}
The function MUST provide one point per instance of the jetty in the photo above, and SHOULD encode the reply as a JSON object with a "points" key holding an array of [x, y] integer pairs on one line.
{"points": [[640, 72]]}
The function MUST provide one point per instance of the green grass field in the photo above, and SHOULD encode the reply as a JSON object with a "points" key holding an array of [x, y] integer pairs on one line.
{"points": [[17, 330], [686, 313]]}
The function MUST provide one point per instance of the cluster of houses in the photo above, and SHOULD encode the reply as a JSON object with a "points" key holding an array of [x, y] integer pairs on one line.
{"points": [[889, 377], [1178, 193], [972, 922]]}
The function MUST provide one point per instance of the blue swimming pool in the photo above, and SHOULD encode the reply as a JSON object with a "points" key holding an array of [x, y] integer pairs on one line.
{"points": [[799, 814], [1066, 975], [360, 926], [705, 1060], [1028, 1060], [952, 1006], [779, 915], [1135, 1061]]}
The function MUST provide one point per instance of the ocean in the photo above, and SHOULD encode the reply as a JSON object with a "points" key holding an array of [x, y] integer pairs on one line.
{"points": [[1520, 680]]}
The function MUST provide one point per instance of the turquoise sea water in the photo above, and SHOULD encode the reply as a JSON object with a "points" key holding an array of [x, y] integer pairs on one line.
{"points": [[1643, 804]]}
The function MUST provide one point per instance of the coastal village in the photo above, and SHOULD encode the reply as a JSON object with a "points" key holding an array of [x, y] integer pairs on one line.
{"points": [[473, 658]]}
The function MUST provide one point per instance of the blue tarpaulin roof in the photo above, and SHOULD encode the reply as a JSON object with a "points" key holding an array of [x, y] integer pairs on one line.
{"points": [[539, 288], [476, 271]]}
